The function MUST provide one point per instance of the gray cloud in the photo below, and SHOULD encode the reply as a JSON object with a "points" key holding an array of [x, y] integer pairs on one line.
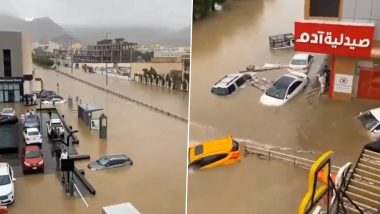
{"points": [[164, 13]]}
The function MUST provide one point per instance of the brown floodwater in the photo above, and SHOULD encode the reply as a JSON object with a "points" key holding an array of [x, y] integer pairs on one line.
{"points": [[227, 42], [155, 142]]}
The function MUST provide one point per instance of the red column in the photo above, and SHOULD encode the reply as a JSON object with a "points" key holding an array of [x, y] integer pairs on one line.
{"points": [[332, 76]]}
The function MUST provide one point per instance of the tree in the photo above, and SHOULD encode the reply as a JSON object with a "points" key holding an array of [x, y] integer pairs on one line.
{"points": [[43, 61], [150, 72]]}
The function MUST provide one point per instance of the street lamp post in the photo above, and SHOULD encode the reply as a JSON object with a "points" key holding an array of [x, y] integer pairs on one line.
{"points": [[71, 51], [106, 61], [41, 109]]}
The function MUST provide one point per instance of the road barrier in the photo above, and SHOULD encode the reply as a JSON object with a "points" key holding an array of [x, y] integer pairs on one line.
{"points": [[126, 98]]}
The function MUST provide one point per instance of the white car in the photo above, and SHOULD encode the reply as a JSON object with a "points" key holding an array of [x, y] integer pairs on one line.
{"points": [[284, 89], [301, 63], [371, 121], [55, 100], [8, 112], [32, 136], [7, 188], [55, 128], [230, 83]]}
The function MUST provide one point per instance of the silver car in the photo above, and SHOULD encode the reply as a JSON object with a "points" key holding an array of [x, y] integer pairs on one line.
{"points": [[110, 161]]}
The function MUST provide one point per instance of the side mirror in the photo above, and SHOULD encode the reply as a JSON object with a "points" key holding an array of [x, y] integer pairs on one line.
{"points": [[287, 96], [14, 179]]}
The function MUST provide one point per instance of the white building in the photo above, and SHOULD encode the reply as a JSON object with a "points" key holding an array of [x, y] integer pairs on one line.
{"points": [[16, 71], [171, 54]]}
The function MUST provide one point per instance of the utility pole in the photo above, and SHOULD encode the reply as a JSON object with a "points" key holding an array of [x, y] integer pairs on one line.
{"points": [[71, 51], [111, 58], [131, 47]]}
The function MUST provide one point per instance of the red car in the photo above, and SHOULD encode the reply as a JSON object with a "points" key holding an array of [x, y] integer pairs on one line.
{"points": [[32, 159]]}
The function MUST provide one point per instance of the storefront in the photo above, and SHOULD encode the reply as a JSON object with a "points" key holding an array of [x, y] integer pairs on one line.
{"points": [[355, 70], [11, 89]]}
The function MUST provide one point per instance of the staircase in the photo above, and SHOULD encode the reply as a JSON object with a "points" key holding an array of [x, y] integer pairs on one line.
{"points": [[364, 185]]}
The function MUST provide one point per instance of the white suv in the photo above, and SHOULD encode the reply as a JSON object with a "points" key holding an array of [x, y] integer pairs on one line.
{"points": [[7, 189], [230, 83], [55, 128]]}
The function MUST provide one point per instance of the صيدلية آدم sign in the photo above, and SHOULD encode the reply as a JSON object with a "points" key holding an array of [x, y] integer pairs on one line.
{"points": [[343, 83], [336, 38]]}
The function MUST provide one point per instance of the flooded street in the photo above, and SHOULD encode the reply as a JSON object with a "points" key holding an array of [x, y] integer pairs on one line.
{"points": [[156, 143], [227, 42]]}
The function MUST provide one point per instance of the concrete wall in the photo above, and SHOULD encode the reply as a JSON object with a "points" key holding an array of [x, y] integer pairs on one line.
{"points": [[343, 65], [12, 41], [27, 54], [364, 11]]}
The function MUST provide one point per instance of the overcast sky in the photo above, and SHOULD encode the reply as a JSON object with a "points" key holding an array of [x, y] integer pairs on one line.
{"points": [[162, 13]]}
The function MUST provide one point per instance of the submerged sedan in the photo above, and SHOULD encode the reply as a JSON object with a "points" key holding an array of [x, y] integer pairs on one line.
{"points": [[110, 161], [285, 88], [371, 121]]}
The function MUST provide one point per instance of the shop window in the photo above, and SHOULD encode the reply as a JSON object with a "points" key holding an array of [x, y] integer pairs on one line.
{"points": [[7, 62], [324, 8]]}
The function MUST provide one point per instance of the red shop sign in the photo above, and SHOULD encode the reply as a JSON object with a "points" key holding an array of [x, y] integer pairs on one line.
{"points": [[343, 39]]}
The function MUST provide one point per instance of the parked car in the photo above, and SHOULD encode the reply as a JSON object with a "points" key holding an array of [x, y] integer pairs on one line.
{"points": [[230, 83], [45, 94], [32, 159], [214, 153], [301, 63], [7, 188], [5, 119], [110, 161], [55, 99], [55, 128], [284, 89], [371, 121], [32, 121], [32, 136], [8, 112]]}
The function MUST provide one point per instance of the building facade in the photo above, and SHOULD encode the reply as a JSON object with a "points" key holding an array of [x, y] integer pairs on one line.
{"points": [[16, 71], [107, 50], [348, 31]]}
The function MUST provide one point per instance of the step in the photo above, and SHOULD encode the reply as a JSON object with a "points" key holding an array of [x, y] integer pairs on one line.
{"points": [[369, 162], [366, 186], [365, 173], [372, 153], [368, 168], [366, 180], [351, 210], [363, 200], [371, 157], [364, 192], [363, 207]]}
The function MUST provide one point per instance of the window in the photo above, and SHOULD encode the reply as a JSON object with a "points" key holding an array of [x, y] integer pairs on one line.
{"points": [[377, 128], [7, 62], [235, 146], [294, 87], [231, 89], [208, 160], [198, 150], [324, 8], [240, 81]]}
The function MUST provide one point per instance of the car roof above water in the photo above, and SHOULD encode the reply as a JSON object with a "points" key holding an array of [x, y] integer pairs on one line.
{"points": [[117, 156], [55, 120], [227, 80], [376, 113], [31, 130]]}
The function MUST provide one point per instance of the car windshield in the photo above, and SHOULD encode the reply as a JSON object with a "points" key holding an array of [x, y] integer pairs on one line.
{"points": [[299, 62], [4, 180], [33, 154], [103, 161], [220, 91], [31, 119], [8, 111], [34, 133], [368, 120], [279, 88]]}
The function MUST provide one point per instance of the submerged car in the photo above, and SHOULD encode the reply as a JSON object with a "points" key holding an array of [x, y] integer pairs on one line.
{"points": [[32, 136], [214, 153], [55, 128], [5, 119], [301, 63], [32, 159], [110, 161], [230, 83], [32, 121], [7, 188], [371, 121], [284, 88], [55, 100], [8, 112]]}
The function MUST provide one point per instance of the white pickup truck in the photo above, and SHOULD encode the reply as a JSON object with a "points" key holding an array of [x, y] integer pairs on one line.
{"points": [[55, 128]]}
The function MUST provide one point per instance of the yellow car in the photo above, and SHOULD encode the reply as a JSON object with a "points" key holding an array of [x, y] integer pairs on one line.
{"points": [[214, 153]]}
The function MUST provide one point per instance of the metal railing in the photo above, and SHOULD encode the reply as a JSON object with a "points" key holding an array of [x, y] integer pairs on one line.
{"points": [[270, 154]]}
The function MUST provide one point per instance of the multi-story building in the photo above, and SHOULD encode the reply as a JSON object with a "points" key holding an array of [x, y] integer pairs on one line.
{"points": [[16, 71], [107, 50], [348, 31], [173, 54]]}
